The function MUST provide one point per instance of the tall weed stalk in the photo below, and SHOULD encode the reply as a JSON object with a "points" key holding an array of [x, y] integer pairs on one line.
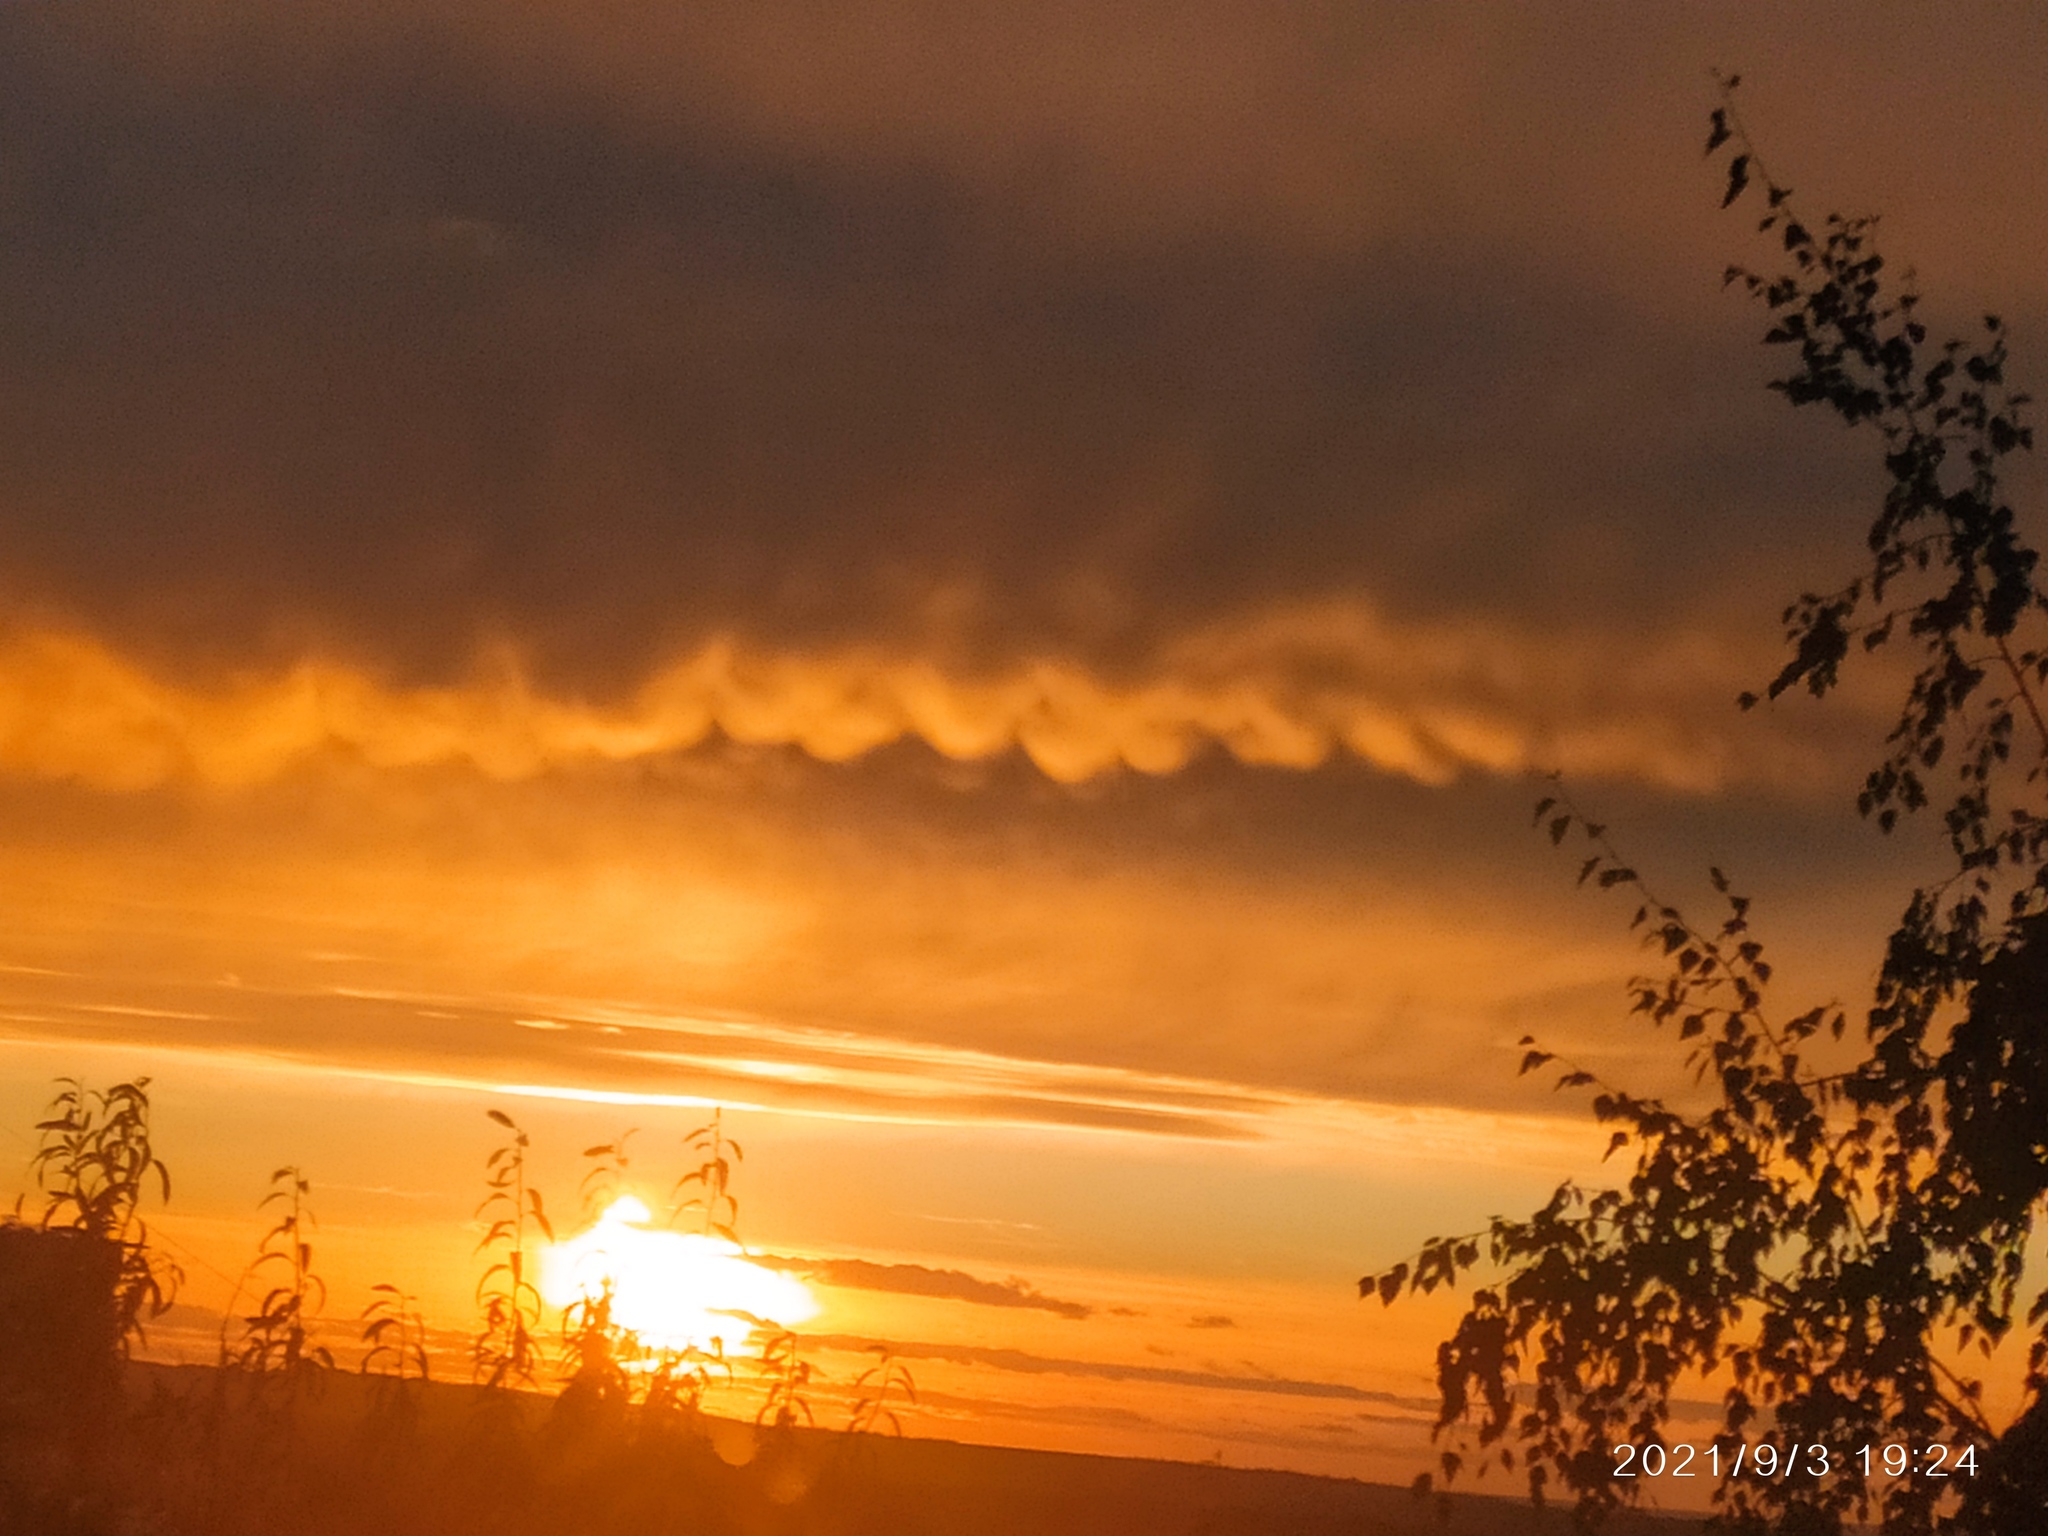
{"points": [[712, 1203], [596, 1348], [278, 1337], [507, 1350], [394, 1339]]}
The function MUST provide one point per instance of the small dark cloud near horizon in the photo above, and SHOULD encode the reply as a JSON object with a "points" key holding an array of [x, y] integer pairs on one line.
{"points": [[921, 1280], [1213, 1320]]}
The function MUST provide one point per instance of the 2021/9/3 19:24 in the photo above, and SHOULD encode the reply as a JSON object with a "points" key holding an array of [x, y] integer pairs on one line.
{"points": [[1765, 1460]]}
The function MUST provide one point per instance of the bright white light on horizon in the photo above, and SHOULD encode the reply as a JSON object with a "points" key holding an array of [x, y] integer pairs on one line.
{"points": [[673, 1289]]}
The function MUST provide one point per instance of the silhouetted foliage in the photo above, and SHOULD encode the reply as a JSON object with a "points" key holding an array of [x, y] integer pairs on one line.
{"points": [[595, 1352], [249, 1448], [1838, 1239], [278, 1337], [93, 1164], [712, 1178], [605, 1180], [596, 1349], [394, 1337], [872, 1390], [787, 1376], [76, 1286], [677, 1380], [394, 1340], [507, 1350]]}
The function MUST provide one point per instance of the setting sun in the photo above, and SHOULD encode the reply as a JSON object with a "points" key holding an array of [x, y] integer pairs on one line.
{"points": [[674, 1290]]}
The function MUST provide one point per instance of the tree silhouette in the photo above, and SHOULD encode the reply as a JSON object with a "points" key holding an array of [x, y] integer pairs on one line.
{"points": [[1838, 1239]]}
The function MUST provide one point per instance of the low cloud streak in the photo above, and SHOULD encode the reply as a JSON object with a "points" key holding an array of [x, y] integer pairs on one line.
{"points": [[923, 1280]]}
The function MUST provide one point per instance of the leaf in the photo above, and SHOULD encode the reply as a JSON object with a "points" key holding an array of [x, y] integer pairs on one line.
{"points": [[1719, 134], [1738, 178], [1390, 1284], [1558, 827]]}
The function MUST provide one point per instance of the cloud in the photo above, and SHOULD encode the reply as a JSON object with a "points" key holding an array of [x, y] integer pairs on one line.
{"points": [[1292, 690], [1212, 1321], [609, 508], [896, 935], [1028, 1363], [607, 338], [920, 1280]]}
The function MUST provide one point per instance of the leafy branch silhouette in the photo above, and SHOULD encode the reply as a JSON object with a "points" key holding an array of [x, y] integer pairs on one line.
{"points": [[1845, 1224]]}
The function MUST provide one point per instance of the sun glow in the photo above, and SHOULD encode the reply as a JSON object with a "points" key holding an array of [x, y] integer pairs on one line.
{"points": [[674, 1290]]}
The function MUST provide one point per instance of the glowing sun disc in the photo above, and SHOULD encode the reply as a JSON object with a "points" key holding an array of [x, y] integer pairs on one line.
{"points": [[675, 1290]]}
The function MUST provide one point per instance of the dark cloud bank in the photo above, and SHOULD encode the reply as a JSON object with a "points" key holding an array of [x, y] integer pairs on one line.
{"points": [[352, 337]]}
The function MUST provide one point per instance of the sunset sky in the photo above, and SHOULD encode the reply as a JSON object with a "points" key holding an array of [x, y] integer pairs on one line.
{"points": [[982, 585]]}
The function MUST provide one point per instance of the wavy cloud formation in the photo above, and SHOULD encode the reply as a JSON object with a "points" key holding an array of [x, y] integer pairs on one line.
{"points": [[1292, 690]]}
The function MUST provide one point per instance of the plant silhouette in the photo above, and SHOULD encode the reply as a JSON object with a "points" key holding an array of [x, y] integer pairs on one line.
{"points": [[678, 1379], [251, 1447], [1844, 1228], [506, 1351], [394, 1340], [94, 1163], [713, 1203], [278, 1337], [596, 1348], [872, 1390], [605, 1180], [787, 1376], [394, 1336]]}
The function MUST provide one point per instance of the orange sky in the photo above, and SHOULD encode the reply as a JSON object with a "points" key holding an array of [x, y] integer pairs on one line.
{"points": [[984, 595]]}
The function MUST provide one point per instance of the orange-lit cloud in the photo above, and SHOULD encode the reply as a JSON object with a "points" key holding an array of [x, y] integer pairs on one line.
{"points": [[960, 378], [1424, 701]]}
